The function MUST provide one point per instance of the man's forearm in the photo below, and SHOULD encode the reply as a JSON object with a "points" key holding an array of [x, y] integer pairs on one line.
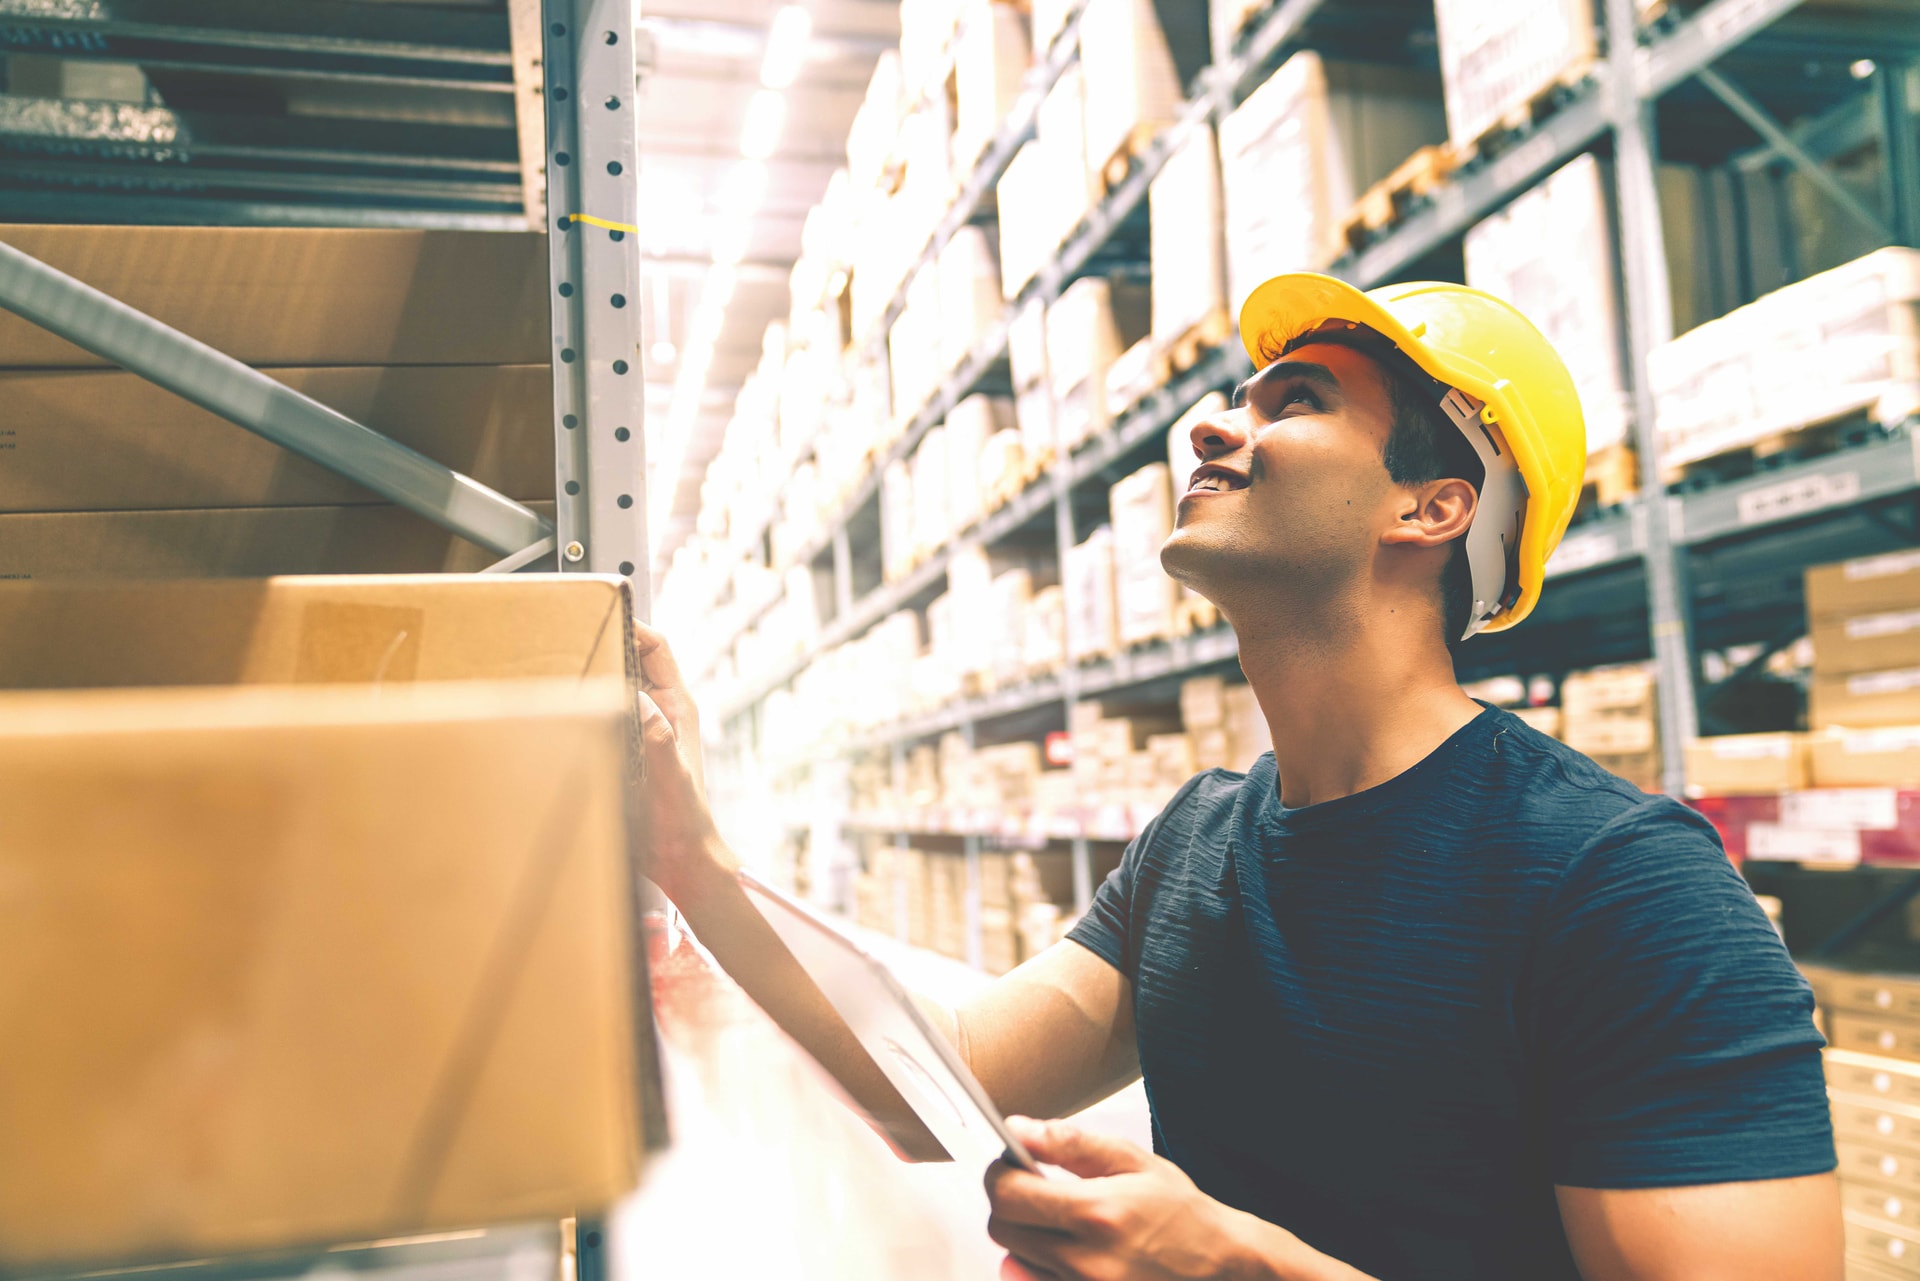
{"points": [[727, 924], [1269, 1253]]}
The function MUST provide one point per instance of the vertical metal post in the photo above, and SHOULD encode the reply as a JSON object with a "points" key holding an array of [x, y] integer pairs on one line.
{"points": [[1061, 478], [1649, 324], [589, 1250], [1899, 92], [594, 260]]}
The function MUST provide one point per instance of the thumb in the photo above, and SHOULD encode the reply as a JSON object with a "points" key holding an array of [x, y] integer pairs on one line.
{"points": [[656, 731], [1077, 1151]]}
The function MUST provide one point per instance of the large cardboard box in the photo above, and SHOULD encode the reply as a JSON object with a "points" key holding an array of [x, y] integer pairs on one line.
{"points": [[297, 966], [1879, 1166], [305, 296], [1865, 698], [1495, 57], [377, 629], [1738, 764], [1867, 642], [1884, 757], [1874, 1034], [1088, 327], [233, 542], [1092, 623], [1866, 585], [1187, 238], [95, 440], [1137, 57], [990, 56], [1869, 1076], [1145, 598]]}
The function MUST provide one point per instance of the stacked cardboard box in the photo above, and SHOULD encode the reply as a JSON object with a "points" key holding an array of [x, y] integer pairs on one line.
{"points": [[1497, 58], [970, 301], [1047, 188], [1724, 385], [1145, 599], [990, 60], [1138, 57], [1303, 146], [1747, 764], [1186, 240], [915, 345], [1088, 327], [1865, 617], [1032, 392], [896, 520], [437, 339], [1550, 253], [1046, 639], [1092, 616], [1873, 1082], [1610, 714]]}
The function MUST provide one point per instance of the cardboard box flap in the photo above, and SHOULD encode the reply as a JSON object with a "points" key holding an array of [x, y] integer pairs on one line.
{"points": [[353, 963], [304, 295], [302, 630]]}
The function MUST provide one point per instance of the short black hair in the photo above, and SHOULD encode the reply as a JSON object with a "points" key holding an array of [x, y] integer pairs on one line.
{"points": [[1422, 446]]}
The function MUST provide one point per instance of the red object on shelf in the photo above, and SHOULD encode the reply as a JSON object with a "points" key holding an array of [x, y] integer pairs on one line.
{"points": [[1885, 820]]}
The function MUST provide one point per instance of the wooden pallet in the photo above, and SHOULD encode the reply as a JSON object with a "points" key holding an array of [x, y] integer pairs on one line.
{"points": [[1184, 352], [1127, 155], [1613, 476], [1519, 119], [1391, 199], [1774, 450]]}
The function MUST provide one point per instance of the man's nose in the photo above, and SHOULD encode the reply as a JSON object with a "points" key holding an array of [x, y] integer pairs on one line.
{"points": [[1217, 436]]}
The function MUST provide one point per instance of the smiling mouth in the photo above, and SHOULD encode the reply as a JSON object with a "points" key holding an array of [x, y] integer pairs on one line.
{"points": [[1215, 480]]}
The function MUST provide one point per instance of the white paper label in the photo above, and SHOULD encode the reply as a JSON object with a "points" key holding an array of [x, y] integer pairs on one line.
{"points": [[1583, 551], [1792, 498], [1872, 625], [1898, 681], [1841, 809], [1742, 748], [1873, 742], [1882, 566], [1779, 843]]}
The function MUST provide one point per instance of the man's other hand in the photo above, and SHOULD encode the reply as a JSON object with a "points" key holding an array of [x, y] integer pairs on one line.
{"points": [[680, 841], [1130, 1216]]}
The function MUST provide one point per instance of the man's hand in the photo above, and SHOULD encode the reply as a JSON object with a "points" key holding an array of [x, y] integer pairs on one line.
{"points": [[1131, 1216], [680, 839]]}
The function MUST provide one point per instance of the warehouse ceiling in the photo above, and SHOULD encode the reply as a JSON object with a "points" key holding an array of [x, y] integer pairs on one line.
{"points": [[410, 113]]}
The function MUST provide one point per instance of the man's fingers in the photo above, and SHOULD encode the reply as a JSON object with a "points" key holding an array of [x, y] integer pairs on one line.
{"points": [[1018, 1196], [1078, 1151], [657, 664], [656, 731], [1011, 1269], [1036, 1250]]}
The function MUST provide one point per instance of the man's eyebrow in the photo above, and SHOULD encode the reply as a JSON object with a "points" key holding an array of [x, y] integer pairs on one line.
{"points": [[1282, 370]]}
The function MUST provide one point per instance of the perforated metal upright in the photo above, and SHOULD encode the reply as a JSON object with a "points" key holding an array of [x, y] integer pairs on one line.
{"points": [[592, 158]]}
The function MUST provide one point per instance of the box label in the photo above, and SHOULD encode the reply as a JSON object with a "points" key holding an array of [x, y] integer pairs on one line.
{"points": [[1841, 809], [1875, 742], [1780, 843], [1898, 681], [1873, 625], [1796, 497], [1743, 748], [1882, 566]]}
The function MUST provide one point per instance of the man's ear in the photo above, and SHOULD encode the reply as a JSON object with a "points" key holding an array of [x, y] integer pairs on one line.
{"points": [[1432, 515]]}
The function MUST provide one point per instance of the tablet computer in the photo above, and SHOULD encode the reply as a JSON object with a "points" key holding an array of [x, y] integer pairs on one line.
{"points": [[905, 1045]]}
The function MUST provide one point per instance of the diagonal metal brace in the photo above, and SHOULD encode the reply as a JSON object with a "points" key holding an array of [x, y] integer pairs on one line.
{"points": [[1781, 141], [216, 382]]}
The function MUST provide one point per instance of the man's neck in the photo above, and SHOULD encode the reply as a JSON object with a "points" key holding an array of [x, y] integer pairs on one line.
{"points": [[1352, 700]]}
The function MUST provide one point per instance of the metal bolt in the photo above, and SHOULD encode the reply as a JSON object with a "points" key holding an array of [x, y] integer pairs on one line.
{"points": [[575, 552]]}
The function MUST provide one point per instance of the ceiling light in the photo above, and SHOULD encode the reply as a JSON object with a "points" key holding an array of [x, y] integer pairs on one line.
{"points": [[662, 352], [786, 46], [760, 134], [730, 239], [1863, 68]]}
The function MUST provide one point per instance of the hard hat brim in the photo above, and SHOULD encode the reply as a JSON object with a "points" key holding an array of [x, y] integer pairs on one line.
{"points": [[1289, 305]]}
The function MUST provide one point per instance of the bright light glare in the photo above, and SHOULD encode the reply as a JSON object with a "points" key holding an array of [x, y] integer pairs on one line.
{"points": [[740, 191], [786, 46], [730, 239], [760, 134], [1863, 68], [662, 352]]}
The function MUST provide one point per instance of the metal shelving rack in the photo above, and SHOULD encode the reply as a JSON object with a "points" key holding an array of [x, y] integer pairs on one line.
{"points": [[590, 79], [1652, 534]]}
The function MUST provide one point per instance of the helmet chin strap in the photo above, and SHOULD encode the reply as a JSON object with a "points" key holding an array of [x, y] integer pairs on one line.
{"points": [[1493, 539]]}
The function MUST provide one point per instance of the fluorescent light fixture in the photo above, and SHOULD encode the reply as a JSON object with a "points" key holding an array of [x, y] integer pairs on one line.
{"points": [[786, 46], [760, 133], [1863, 68]]}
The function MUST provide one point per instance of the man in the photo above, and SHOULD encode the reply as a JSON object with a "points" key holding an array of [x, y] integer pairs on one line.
{"points": [[1424, 994]]}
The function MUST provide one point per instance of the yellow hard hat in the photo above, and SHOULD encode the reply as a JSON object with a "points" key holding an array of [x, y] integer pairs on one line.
{"points": [[1504, 385]]}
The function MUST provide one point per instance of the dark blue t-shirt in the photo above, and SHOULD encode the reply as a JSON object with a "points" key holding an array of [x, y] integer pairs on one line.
{"points": [[1391, 1023]]}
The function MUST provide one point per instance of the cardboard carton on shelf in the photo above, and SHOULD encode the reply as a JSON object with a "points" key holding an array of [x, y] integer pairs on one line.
{"points": [[1088, 327], [1091, 614], [242, 1082], [1045, 649], [1867, 642], [1248, 735], [1885, 757], [1878, 1165], [100, 440], [233, 542], [970, 301], [1203, 702], [1137, 57], [304, 296], [990, 60], [1145, 597], [1748, 763], [1495, 59], [1866, 585], [1874, 1034], [379, 629], [1295, 155], [1863, 699], [1870, 1076], [1186, 239], [1545, 719]]}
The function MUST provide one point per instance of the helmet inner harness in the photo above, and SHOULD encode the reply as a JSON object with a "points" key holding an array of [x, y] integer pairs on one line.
{"points": [[1493, 537]]}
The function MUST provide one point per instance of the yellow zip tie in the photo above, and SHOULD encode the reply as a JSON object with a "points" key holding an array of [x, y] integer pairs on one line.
{"points": [[592, 221]]}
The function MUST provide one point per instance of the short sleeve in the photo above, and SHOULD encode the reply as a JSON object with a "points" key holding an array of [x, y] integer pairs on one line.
{"points": [[1674, 1036], [1107, 929]]}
